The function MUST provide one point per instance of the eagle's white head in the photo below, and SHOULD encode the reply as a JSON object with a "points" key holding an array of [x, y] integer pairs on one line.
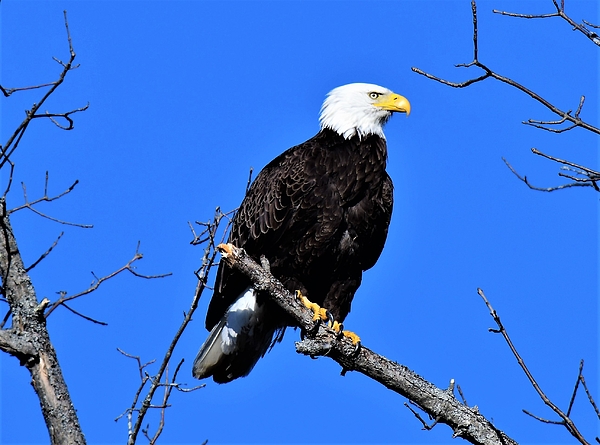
{"points": [[360, 109]]}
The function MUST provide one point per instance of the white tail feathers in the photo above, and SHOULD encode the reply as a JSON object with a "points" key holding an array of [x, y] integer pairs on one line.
{"points": [[236, 343]]}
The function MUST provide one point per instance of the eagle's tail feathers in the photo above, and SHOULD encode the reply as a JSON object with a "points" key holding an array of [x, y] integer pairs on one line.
{"points": [[236, 343]]}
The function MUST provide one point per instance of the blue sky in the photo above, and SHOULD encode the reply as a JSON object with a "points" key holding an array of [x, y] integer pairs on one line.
{"points": [[186, 96]]}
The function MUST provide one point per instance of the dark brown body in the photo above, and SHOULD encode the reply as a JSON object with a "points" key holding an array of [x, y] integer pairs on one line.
{"points": [[319, 213]]}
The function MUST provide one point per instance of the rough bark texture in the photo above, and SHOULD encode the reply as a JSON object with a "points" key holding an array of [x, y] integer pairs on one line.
{"points": [[28, 340], [440, 404]]}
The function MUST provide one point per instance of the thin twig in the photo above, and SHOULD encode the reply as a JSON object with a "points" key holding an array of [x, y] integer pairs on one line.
{"points": [[30, 204], [462, 396], [541, 419], [8, 91], [65, 116], [137, 358], [568, 423], [11, 145], [575, 120], [572, 401], [84, 316], [46, 253], [98, 281], [426, 426], [208, 263], [560, 12], [6, 317], [590, 179], [44, 198], [249, 183]]}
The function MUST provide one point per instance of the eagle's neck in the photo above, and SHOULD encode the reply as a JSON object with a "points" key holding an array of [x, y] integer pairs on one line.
{"points": [[350, 121], [354, 151]]}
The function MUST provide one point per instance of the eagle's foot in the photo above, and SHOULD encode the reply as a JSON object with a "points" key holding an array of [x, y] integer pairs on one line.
{"points": [[355, 339], [339, 330], [319, 313]]}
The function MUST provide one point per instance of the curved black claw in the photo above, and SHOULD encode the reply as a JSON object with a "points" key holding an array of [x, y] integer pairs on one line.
{"points": [[311, 332], [340, 333], [329, 317], [357, 348]]}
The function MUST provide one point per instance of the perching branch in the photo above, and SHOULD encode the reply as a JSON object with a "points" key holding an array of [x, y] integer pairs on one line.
{"points": [[320, 340], [566, 420]]}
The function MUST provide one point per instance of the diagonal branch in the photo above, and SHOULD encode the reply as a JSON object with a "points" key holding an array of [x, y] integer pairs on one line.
{"points": [[565, 116], [566, 420], [590, 180], [209, 236], [440, 404], [98, 281], [11, 145], [29, 341], [560, 12], [46, 253]]}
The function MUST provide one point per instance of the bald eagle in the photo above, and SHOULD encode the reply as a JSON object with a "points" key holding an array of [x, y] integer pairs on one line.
{"points": [[319, 213]]}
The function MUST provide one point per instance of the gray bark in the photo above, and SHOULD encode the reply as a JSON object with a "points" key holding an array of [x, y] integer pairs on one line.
{"points": [[28, 340], [466, 422]]}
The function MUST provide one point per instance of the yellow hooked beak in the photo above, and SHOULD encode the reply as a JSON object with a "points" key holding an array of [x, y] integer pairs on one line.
{"points": [[393, 102]]}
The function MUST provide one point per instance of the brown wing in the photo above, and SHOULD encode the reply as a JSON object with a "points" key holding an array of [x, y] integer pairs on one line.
{"points": [[298, 210]]}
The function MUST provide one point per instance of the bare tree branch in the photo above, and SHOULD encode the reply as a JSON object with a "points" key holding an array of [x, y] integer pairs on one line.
{"points": [[583, 177], [560, 12], [320, 340], [11, 145], [30, 204], [29, 341], [579, 182], [565, 116], [566, 420], [586, 176], [66, 116], [46, 253], [85, 317], [209, 236], [64, 297]]}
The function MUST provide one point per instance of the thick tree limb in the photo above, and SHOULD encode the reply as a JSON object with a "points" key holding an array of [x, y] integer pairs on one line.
{"points": [[29, 341], [440, 404]]}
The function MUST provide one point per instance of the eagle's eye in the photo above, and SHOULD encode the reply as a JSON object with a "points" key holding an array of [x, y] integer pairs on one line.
{"points": [[374, 95]]}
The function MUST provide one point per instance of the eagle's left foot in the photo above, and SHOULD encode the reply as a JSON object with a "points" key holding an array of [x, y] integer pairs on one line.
{"points": [[339, 329]]}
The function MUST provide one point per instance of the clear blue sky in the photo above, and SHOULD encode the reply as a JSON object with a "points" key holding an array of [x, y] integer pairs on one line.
{"points": [[186, 96]]}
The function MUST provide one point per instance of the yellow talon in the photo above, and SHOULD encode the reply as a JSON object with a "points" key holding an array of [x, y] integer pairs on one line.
{"points": [[352, 336], [319, 313], [337, 327]]}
